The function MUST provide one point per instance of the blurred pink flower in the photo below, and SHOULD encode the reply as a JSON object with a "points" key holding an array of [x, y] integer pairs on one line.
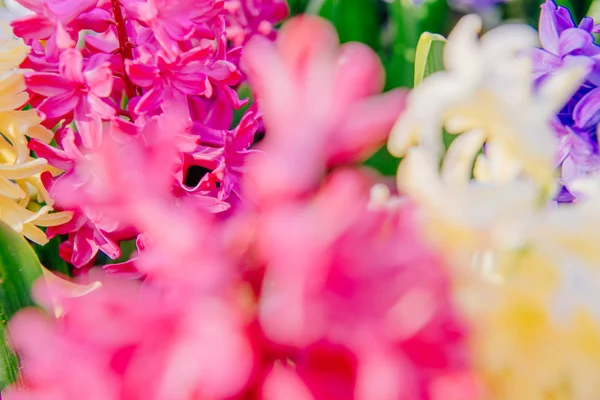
{"points": [[361, 279], [320, 104], [138, 343]]}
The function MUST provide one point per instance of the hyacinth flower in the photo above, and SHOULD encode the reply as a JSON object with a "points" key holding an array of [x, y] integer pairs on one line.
{"points": [[132, 346], [22, 195], [479, 92], [147, 59], [332, 95], [204, 323], [575, 124], [536, 280], [481, 97]]}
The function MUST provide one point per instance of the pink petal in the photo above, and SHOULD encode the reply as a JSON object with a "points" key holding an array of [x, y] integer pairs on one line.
{"points": [[97, 20], [366, 126], [99, 107], [56, 157], [89, 125], [141, 73], [360, 72], [100, 80], [84, 247], [304, 40], [71, 65], [63, 38], [67, 11], [150, 101], [58, 106], [33, 5], [48, 84], [33, 27]]}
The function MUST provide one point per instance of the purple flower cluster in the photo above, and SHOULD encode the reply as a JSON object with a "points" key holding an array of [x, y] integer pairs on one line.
{"points": [[564, 43], [104, 67]]}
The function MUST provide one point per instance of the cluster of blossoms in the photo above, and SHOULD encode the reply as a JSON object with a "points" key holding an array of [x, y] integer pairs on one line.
{"points": [[97, 67], [526, 271], [288, 270], [310, 287]]}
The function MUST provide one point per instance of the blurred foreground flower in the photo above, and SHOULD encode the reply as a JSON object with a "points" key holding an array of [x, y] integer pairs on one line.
{"points": [[485, 96], [489, 206], [309, 290]]}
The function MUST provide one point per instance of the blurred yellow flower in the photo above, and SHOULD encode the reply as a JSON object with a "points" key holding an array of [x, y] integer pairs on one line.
{"points": [[487, 86], [525, 271]]}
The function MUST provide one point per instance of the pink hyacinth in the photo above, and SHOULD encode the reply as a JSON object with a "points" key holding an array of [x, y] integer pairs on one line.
{"points": [[360, 280], [147, 58], [306, 82], [136, 344]]}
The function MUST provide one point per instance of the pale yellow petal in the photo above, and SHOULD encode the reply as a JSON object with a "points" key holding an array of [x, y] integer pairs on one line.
{"points": [[12, 50], [54, 218], [40, 133], [458, 162], [24, 170], [42, 194], [10, 189], [35, 234], [461, 52], [13, 101]]}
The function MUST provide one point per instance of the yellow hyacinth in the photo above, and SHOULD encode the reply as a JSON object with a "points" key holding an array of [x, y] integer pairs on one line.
{"points": [[525, 271], [24, 202]]}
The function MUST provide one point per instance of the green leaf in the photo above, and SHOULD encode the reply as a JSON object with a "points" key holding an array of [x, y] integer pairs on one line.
{"points": [[19, 269], [429, 57], [354, 20], [408, 21]]}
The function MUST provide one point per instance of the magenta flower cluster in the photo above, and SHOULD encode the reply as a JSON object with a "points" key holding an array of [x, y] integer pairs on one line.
{"points": [[101, 63]]}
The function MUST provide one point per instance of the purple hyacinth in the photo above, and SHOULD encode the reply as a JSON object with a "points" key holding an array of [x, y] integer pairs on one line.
{"points": [[564, 44]]}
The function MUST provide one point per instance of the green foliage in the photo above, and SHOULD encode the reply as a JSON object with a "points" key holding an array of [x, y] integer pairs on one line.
{"points": [[355, 20], [429, 56], [19, 268], [407, 22]]}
